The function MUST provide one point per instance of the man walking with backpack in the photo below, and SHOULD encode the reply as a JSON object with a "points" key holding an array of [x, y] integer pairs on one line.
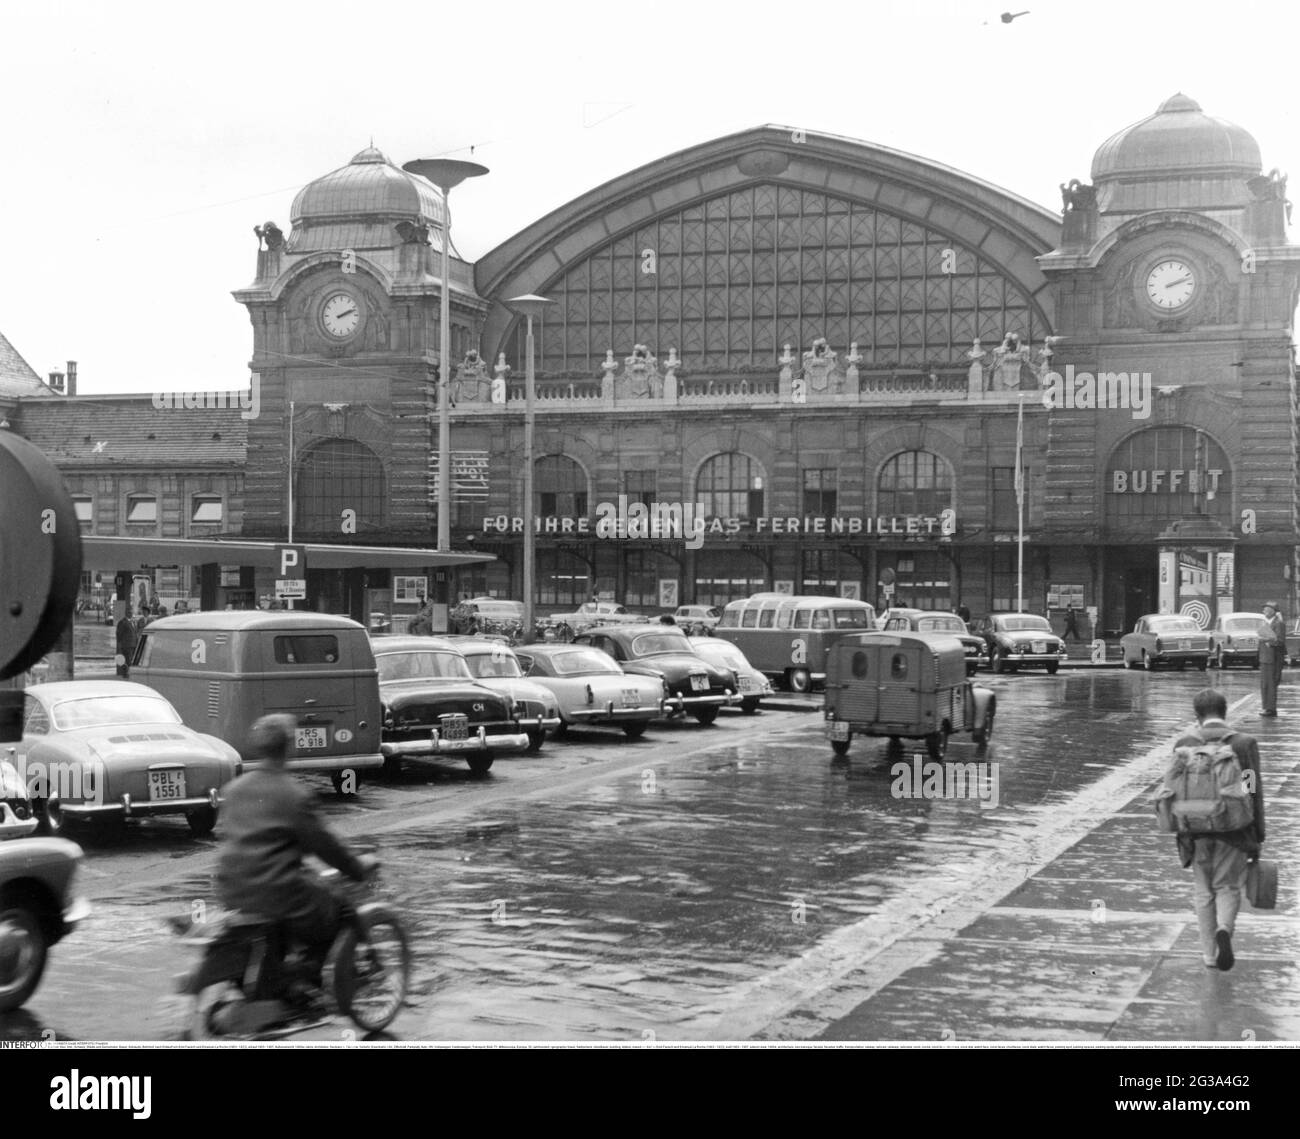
{"points": [[1214, 799]]}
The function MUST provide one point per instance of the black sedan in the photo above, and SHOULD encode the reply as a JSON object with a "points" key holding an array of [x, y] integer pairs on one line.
{"points": [[433, 707], [1021, 640], [925, 621], [694, 685]]}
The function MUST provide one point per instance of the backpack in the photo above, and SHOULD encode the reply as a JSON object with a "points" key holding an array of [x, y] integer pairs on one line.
{"points": [[1203, 791]]}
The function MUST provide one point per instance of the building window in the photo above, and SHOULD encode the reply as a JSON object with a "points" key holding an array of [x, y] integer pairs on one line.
{"points": [[1004, 508], [560, 485], [820, 487], [562, 578], [730, 486], [725, 575], [914, 482], [206, 510], [821, 573], [1004, 575], [142, 509], [643, 570], [922, 580], [84, 506], [641, 486], [337, 475]]}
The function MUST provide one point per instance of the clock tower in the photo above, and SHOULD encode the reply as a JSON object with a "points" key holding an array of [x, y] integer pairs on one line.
{"points": [[1171, 483], [345, 333]]}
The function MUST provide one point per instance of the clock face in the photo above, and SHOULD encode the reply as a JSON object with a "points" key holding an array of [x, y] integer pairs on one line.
{"points": [[1171, 285], [340, 315]]}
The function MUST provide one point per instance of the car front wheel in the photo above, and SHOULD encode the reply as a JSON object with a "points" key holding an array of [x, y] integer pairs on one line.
{"points": [[480, 765], [1052, 666], [799, 679], [23, 949], [634, 731], [536, 737], [707, 714]]}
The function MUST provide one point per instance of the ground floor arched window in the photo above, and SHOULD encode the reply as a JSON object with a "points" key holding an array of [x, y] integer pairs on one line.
{"points": [[562, 578]]}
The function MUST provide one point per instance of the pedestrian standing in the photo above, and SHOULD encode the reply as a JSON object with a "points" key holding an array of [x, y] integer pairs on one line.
{"points": [[1272, 655], [1220, 860], [963, 611], [1071, 628], [126, 636]]}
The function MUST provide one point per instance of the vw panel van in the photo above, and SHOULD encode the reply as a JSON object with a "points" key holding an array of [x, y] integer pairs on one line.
{"points": [[223, 670]]}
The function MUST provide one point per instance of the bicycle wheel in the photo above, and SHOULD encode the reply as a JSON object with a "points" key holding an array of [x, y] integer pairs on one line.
{"points": [[369, 967]]}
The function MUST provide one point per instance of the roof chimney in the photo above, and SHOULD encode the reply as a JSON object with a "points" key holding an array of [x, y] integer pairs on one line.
{"points": [[72, 377], [56, 381]]}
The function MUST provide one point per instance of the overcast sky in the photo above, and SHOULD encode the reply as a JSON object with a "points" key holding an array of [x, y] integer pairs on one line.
{"points": [[142, 142]]}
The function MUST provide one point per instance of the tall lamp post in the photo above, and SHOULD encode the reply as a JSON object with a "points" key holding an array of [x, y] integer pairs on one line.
{"points": [[445, 173], [529, 306]]}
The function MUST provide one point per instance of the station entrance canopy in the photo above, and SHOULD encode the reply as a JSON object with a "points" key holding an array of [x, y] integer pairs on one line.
{"points": [[107, 552]]}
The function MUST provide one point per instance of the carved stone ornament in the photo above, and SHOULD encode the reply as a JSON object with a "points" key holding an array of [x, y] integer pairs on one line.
{"points": [[819, 367], [761, 163], [1009, 360], [502, 373], [472, 383], [641, 377], [1077, 196]]}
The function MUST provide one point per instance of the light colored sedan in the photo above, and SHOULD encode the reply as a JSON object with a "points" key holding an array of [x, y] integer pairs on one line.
{"points": [[1166, 638], [591, 688], [753, 684], [1235, 637], [111, 749], [495, 665]]}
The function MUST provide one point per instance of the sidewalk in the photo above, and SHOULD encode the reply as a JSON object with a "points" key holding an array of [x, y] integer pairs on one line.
{"points": [[1099, 941]]}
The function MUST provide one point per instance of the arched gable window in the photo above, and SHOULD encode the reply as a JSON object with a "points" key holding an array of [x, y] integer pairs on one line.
{"points": [[914, 482], [335, 475], [730, 485], [560, 487]]}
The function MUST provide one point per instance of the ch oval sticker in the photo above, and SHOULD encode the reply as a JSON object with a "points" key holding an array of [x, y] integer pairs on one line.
{"points": [[343, 735]]}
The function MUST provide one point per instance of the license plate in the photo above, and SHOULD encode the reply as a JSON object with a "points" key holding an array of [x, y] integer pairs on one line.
{"points": [[746, 684], [1040, 646], [305, 739], [699, 683], [1184, 644], [839, 730], [455, 728], [631, 698], [165, 785]]}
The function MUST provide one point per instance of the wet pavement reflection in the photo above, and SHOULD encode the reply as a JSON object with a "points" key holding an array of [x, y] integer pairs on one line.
{"points": [[638, 892]]}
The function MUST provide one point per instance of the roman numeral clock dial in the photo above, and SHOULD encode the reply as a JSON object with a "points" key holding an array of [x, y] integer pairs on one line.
{"points": [[1171, 285]]}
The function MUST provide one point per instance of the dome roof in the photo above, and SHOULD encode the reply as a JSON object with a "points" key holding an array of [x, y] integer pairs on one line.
{"points": [[368, 185], [1179, 138]]}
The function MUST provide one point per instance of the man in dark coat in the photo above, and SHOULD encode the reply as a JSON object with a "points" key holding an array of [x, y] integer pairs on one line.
{"points": [[268, 824], [1219, 862], [1272, 655], [127, 637]]}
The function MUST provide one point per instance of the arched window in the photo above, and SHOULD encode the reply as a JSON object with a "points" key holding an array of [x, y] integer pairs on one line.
{"points": [[337, 475], [914, 482], [730, 486], [560, 488]]}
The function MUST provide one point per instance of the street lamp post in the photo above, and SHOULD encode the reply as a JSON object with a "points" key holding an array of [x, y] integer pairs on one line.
{"points": [[445, 173], [529, 306]]}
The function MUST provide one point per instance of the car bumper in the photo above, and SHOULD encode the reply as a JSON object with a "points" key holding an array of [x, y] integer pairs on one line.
{"points": [[127, 808], [610, 712], [1035, 658], [327, 763], [475, 744], [685, 703], [1179, 656]]}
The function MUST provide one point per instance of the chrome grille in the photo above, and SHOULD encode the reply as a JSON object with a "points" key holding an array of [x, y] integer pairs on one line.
{"points": [[214, 698]]}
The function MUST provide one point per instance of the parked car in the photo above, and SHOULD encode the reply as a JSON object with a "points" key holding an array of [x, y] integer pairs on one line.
{"points": [[1166, 638], [694, 619], [38, 907], [904, 685], [488, 615], [94, 612], [1020, 640], [753, 685], [433, 706], [566, 626], [1293, 643], [17, 818], [495, 665], [694, 685], [1234, 638], [116, 750], [591, 688], [928, 621]]}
